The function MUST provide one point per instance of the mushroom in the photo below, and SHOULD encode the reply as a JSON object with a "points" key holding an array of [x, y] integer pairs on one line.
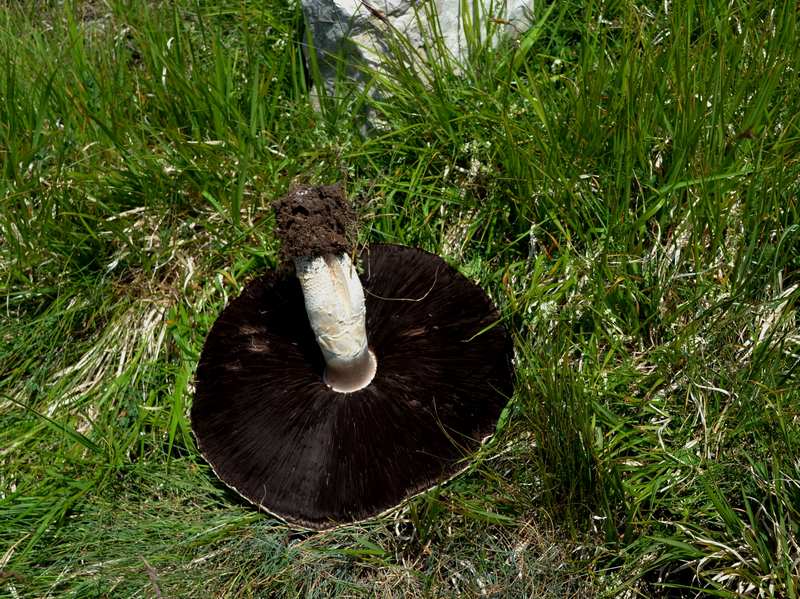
{"points": [[333, 396]]}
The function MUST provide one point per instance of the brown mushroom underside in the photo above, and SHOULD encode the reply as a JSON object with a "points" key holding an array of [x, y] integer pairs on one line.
{"points": [[273, 431]]}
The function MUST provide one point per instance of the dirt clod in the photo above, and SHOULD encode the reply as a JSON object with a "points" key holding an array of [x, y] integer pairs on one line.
{"points": [[313, 221]]}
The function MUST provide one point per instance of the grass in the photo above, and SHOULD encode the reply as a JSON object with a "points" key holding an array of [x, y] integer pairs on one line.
{"points": [[622, 180]]}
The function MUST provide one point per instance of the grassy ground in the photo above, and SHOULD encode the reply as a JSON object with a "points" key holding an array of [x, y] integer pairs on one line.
{"points": [[624, 182]]}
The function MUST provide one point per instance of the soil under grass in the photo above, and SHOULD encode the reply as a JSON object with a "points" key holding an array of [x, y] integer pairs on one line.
{"points": [[623, 181]]}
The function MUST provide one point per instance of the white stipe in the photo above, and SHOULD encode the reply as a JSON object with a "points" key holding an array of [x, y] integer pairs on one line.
{"points": [[335, 306]]}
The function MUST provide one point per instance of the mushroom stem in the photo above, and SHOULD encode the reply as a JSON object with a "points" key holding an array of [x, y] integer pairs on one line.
{"points": [[335, 306]]}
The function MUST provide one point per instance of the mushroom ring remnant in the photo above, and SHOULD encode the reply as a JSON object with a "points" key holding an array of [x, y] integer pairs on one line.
{"points": [[276, 433]]}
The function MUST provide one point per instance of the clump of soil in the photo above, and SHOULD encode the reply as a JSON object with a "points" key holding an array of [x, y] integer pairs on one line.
{"points": [[313, 221]]}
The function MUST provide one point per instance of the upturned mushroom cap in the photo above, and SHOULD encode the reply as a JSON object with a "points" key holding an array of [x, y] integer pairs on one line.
{"points": [[276, 433]]}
